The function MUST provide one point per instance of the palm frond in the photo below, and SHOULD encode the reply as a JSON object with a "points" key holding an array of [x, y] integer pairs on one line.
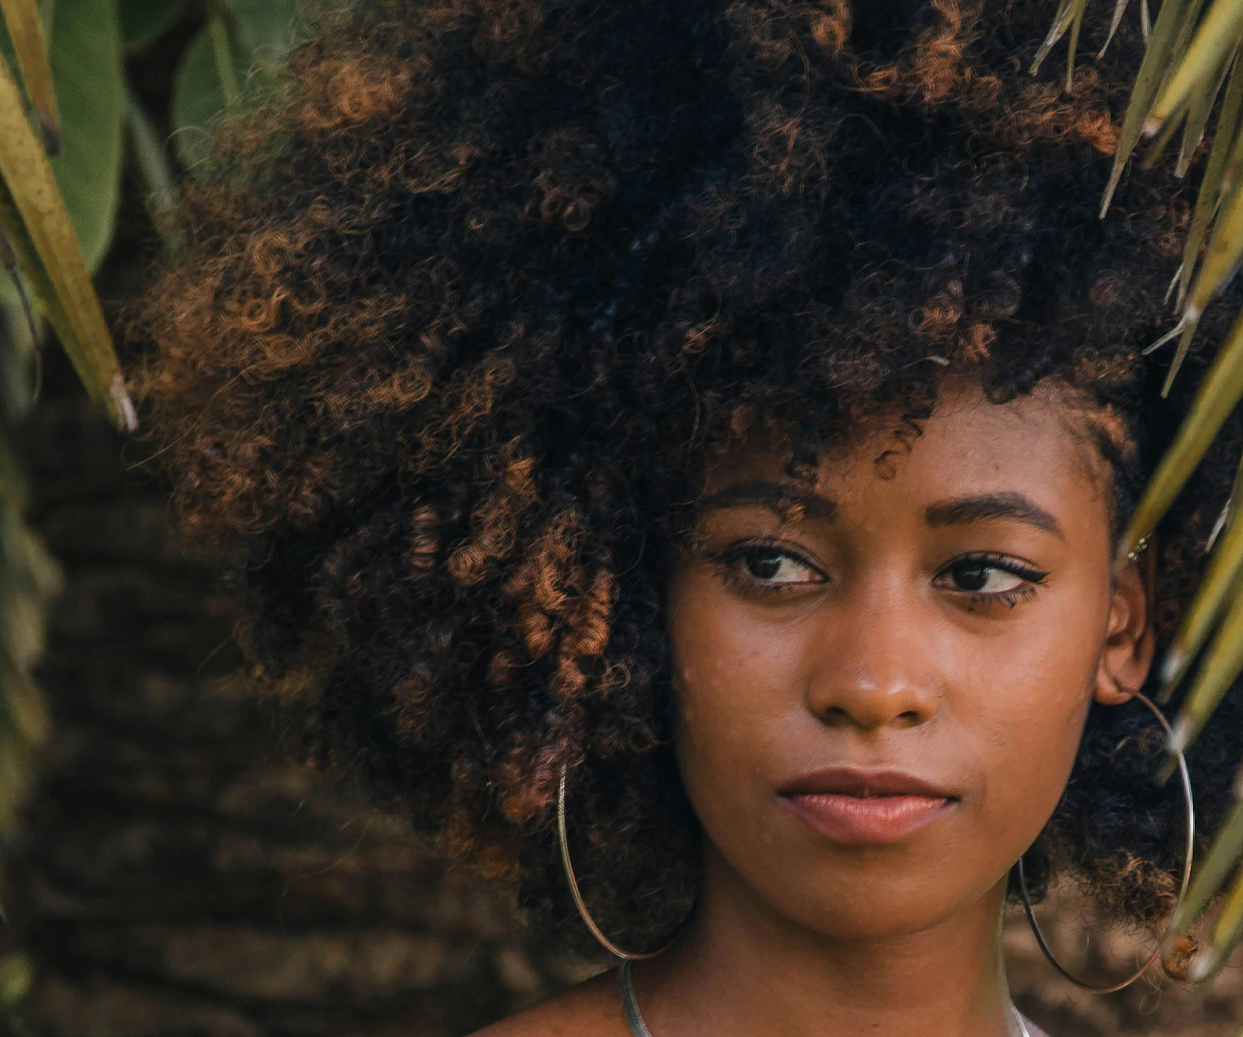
{"points": [[26, 32], [53, 262], [1191, 68]]}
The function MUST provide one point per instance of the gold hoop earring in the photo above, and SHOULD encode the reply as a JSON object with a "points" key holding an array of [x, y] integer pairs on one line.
{"points": [[604, 941], [1190, 851]]}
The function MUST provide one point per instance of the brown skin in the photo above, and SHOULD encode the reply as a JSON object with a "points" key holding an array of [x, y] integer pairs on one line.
{"points": [[855, 638]]}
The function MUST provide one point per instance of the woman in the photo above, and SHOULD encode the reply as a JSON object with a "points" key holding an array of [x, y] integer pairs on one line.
{"points": [[716, 420]]}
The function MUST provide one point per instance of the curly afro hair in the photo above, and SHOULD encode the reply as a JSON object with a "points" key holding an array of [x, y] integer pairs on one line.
{"points": [[468, 299]]}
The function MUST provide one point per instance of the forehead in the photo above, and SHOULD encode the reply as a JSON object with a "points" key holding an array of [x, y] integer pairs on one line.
{"points": [[1044, 438]]}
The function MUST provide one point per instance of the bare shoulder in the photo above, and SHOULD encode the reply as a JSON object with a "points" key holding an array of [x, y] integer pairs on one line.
{"points": [[590, 1009]]}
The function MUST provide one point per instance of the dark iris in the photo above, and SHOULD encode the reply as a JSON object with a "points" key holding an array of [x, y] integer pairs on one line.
{"points": [[763, 565], [975, 571]]}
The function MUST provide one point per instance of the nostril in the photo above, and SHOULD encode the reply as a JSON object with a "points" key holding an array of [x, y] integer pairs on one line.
{"points": [[868, 709]]}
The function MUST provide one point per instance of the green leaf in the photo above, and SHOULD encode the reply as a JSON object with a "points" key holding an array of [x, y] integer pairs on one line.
{"points": [[85, 57], [1219, 392], [199, 95], [1226, 935], [1212, 596], [86, 67], [1222, 663], [262, 34], [1161, 50], [1208, 199], [268, 28], [1061, 22], [149, 157], [145, 21], [1215, 38], [1210, 877], [38, 227], [1201, 106], [28, 39]]}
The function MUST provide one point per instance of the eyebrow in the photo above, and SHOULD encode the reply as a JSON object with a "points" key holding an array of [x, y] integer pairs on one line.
{"points": [[1004, 504], [771, 495]]}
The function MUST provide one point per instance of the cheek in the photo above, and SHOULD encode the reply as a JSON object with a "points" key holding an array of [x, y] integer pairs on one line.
{"points": [[1032, 701], [733, 681]]}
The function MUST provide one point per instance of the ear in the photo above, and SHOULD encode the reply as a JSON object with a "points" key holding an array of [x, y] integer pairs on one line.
{"points": [[1130, 642]]}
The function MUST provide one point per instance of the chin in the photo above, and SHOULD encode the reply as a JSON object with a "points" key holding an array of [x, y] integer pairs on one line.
{"points": [[866, 911], [870, 898]]}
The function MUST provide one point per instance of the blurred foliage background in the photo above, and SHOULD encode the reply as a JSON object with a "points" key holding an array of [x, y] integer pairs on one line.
{"points": [[167, 869], [123, 91]]}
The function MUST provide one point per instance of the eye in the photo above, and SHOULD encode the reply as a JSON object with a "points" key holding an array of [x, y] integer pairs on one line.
{"points": [[987, 579], [973, 575], [765, 567]]}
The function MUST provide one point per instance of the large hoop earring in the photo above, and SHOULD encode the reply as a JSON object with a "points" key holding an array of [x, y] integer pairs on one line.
{"points": [[604, 941], [1190, 851]]}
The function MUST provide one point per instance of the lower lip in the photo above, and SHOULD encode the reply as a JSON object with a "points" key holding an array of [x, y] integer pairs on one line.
{"points": [[871, 821]]}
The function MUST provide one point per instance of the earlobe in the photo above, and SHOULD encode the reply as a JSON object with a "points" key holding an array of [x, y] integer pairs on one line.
{"points": [[1130, 642]]}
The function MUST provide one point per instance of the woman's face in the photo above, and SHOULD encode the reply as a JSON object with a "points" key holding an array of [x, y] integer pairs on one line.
{"points": [[953, 622]]}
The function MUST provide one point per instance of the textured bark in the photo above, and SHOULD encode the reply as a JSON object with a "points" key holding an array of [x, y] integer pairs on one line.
{"points": [[177, 876]]}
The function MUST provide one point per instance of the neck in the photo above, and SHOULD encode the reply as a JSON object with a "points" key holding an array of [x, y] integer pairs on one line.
{"points": [[742, 968]]}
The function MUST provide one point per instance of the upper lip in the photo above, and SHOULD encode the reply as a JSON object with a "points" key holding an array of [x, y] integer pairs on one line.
{"points": [[862, 781]]}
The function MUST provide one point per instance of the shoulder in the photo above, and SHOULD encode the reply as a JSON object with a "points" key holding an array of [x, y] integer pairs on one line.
{"points": [[590, 1009]]}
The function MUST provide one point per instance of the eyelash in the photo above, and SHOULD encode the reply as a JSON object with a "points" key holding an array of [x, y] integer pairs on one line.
{"points": [[729, 556]]}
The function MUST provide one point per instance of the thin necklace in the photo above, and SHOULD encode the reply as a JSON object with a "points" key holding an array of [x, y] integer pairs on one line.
{"points": [[638, 1028]]}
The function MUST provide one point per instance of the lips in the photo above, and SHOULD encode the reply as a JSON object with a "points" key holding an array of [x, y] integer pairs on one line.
{"points": [[862, 807]]}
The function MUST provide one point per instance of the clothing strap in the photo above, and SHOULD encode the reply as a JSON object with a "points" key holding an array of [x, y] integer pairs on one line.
{"points": [[638, 1028], [630, 1005]]}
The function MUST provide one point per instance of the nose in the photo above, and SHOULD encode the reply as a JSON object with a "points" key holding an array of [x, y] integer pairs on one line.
{"points": [[877, 662]]}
